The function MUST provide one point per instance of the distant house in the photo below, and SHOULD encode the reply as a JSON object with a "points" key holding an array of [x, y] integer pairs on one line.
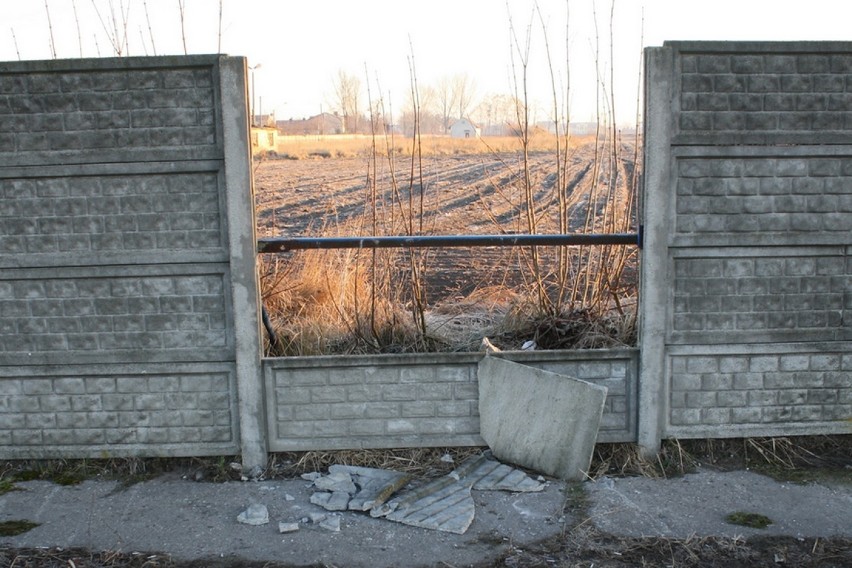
{"points": [[464, 128], [264, 120], [323, 123], [263, 139]]}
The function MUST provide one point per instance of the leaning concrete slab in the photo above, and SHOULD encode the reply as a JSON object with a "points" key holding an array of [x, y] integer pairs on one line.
{"points": [[538, 419]]}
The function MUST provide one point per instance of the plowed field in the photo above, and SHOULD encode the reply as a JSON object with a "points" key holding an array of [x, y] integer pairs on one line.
{"points": [[443, 195]]}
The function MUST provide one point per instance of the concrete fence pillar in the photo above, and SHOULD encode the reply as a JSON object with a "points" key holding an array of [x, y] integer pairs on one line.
{"points": [[244, 281], [655, 213]]}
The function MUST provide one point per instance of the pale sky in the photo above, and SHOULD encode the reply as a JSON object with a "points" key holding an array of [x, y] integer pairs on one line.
{"points": [[301, 45]]}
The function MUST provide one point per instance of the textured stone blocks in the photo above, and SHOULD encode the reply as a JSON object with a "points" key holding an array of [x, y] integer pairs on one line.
{"points": [[765, 389], [84, 411], [773, 94]]}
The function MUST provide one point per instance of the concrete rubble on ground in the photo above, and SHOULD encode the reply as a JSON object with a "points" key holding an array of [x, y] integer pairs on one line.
{"points": [[444, 504], [541, 420], [256, 514]]}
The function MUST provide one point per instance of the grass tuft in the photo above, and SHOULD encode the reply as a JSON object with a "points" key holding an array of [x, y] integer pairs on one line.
{"points": [[750, 520], [14, 528]]}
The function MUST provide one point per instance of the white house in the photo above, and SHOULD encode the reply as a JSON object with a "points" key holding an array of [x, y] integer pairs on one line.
{"points": [[464, 128]]}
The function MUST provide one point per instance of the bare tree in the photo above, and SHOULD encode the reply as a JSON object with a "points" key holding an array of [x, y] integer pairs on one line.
{"points": [[347, 90], [454, 96], [182, 8], [464, 88], [445, 100], [425, 110], [497, 113]]}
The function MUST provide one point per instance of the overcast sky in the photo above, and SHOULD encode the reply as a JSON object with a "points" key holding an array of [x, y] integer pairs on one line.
{"points": [[300, 45]]}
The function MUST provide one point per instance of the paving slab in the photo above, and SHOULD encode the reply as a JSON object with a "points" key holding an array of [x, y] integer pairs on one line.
{"points": [[541, 420], [697, 504], [195, 521]]}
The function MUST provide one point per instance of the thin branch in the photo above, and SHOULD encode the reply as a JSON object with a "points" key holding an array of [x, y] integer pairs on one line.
{"points": [[142, 39], [15, 41], [125, 20], [150, 31], [77, 22], [113, 41], [182, 6], [50, 27], [219, 46]]}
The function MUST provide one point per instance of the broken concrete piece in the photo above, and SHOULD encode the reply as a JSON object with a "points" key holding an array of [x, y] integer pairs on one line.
{"points": [[256, 514], [331, 523], [446, 504], [495, 476], [336, 481], [443, 505], [538, 419], [374, 486], [337, 501], [288, 527]]}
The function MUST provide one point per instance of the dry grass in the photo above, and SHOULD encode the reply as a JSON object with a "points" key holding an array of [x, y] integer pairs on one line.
{"points": [[335, 302], [420, 462], [789, 458], [364, 301]]}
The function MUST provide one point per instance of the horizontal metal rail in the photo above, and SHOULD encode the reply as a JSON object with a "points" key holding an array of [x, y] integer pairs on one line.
{"points": [[282, 244]]}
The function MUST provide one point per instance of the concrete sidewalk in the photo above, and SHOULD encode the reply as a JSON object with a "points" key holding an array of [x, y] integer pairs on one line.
{"points": [[191, 520]]}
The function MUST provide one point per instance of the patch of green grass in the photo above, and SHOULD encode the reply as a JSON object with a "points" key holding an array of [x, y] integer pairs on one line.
{"points": [[27, 475], [805, 475], [7, 485], [751, 520], [14, 528], [68, 478]]}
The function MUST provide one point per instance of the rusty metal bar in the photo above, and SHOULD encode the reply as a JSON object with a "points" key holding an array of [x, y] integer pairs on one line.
{"points": [[282, 244]]}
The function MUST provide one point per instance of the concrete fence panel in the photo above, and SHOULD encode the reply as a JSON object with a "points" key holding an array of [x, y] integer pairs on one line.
{"points": [[420, 400], [125, 198], [748, 212]]}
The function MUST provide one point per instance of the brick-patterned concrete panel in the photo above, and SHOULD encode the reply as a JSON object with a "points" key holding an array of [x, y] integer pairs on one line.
{"points": [[150, 410], [112, 213], [789, 297], [106, 109], [758, 390], [117, 316], [417, 400], [748, 216], [772, 196], [71, 314], [741, 97]]}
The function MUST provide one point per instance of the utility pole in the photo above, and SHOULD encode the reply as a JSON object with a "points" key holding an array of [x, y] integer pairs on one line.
{"points": [[253, 94]]}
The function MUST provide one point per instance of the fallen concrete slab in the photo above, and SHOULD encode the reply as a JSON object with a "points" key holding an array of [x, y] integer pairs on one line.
{"points": [[538, 419], [444, 504]]}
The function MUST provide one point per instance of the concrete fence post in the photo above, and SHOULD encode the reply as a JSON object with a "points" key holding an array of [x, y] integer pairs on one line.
{"points": [[244, 281], [655, 214]]}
